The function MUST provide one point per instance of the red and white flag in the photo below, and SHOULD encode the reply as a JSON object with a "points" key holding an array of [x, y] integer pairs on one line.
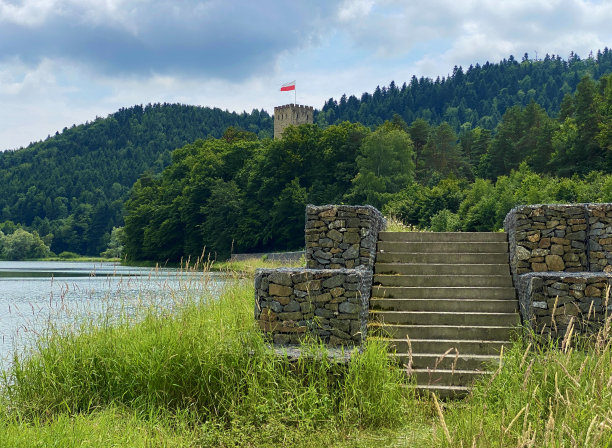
{"points": [[288, 86]]}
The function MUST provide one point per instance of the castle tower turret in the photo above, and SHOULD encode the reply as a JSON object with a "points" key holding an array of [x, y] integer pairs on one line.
{"points": [[291, 114]]}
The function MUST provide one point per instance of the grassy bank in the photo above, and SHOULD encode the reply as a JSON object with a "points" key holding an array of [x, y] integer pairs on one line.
{"points": [[543, 395], [202, 375]]}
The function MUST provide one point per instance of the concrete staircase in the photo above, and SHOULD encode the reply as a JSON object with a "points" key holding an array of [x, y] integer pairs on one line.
{"points": [[446, 303]]}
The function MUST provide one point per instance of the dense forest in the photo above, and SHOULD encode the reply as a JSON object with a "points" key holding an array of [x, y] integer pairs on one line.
{"points": [[479, 95], [249, 194], [71, 187], [228, 184]]}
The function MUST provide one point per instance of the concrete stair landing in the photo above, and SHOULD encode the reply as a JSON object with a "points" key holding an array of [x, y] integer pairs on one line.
{"points": [[446, 304]]}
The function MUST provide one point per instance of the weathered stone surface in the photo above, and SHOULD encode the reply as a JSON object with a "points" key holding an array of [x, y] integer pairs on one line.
{"points": [[522, 253], [280, 290], [555, 263], [335, 234], [320, 304]]}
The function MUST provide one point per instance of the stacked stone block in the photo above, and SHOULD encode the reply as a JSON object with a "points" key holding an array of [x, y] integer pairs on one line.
{"points": [[342, 236], [560, 256], [547, 238], [552, 300], [329, 304], [600, 237]]}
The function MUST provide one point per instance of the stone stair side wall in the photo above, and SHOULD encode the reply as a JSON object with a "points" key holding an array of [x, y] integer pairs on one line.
{"points": [[560, 257], [329, 299], [574, 296], [331, 304], [342, 236]]}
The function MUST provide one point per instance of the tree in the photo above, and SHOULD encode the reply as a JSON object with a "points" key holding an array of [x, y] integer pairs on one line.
{"points": [[115, 246], [385, 165], [21, 245]]}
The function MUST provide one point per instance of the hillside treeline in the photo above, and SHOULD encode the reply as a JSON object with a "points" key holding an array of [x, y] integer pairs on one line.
{"points": [[478, 95], [242, 193], [71, 187]]}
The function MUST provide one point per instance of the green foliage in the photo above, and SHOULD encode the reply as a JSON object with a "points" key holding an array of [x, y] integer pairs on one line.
{"points": [[73, 185], [445, 221], [476, 97], [246, 195], [542, 395], [115, 246], [206, 362], [385, 166], [242, 190], [21, 245], [68, 255]]}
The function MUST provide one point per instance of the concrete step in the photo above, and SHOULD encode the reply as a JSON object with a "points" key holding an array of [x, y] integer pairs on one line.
{"points": [[448, 361], [418, 247], [444, 332], [420, 292], [444, 237], [463, 305], [448, 377], [441, 269], [467, 347], [446, 258], [444, 392], [443, 280], [444, 318]]}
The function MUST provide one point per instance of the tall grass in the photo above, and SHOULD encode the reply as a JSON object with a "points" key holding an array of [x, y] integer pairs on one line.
{"points": [[550, 395], [203, 362]]}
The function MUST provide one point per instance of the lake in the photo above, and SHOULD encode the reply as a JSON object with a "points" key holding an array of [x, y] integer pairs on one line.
{"points": [[36, 294]]}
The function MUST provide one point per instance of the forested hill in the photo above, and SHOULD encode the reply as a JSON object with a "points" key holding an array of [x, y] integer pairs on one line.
{"points": [[479, 95], [71, 187]]}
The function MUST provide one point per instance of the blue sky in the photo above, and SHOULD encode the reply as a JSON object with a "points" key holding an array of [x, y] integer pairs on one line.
{"points": [[68, 61]]}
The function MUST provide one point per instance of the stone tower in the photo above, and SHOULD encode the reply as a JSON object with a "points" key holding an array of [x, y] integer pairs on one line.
{"points": [[291, 114]]}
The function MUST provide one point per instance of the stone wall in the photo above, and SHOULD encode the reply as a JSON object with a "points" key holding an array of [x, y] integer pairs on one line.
{"points": [[342, 236], [550, 300], [561, 260], [330, 298], [547, 238], [568, 238], [600, 237], [330, 304]]}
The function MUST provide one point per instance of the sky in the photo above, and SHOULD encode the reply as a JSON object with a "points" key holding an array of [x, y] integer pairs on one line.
{"points": [[65, 62]]}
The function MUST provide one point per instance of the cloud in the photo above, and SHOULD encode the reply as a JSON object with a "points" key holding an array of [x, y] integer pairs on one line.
{"points": [[68, 61], [215, 38]]}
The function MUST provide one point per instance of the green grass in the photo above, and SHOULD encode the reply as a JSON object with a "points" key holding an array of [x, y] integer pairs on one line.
{"points": [[202, 375], [249, 266], [543, 396]]}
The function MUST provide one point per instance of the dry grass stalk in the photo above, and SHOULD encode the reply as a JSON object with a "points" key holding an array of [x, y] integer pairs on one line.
{"points": [[408, 366], [442, 421]]}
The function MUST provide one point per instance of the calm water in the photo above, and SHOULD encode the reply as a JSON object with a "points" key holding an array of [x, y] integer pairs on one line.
{"points": [[34, 295]]}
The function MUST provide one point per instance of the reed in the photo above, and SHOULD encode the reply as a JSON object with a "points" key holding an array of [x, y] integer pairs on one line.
{"points": [[200, 364], [543, 395]]}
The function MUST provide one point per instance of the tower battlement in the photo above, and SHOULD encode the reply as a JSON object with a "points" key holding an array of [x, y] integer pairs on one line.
{"points": [[291, 114]]}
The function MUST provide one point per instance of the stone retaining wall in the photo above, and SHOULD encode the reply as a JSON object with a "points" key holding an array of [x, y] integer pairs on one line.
{"points": [[342, 236], [330, 298], [561, 260], [578, 296], [547, 238], [560, 238], [600, 237], [330, 304]]}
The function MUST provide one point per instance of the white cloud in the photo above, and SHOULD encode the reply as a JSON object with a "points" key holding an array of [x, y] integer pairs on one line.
{"points": [[68, 61]]}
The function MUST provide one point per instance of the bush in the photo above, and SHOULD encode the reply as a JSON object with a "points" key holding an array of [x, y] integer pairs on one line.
{"points": [[68, 255]]}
